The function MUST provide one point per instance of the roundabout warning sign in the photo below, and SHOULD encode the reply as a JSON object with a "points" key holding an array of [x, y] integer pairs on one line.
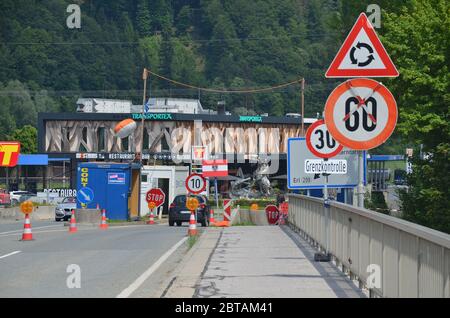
{"points": [[361, 114]]}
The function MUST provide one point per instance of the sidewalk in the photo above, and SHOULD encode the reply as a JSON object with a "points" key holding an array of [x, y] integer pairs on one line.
{"points": [[269, 261]]}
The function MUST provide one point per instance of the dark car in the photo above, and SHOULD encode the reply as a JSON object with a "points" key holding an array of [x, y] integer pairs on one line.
{"points": [[179, 213]]}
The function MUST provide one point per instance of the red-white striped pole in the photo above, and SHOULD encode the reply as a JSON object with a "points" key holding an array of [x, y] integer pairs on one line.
{"points": [[227, 209], [151, 219], [27, 234]]}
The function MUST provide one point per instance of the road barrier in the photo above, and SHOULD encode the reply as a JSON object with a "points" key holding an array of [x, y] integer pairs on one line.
{"points": [[410, 260]]}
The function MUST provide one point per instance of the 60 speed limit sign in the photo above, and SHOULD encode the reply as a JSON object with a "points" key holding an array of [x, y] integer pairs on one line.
{"points": [[195, 183], [320, 142], [361, 114]]}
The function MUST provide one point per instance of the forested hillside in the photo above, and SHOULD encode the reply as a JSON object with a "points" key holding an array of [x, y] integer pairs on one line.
{"points": [[45, 66]]}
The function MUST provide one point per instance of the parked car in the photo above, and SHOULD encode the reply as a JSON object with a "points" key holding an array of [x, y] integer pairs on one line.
{"points": [[63, 210], [20, 196], [178, 213], [5, 199]]}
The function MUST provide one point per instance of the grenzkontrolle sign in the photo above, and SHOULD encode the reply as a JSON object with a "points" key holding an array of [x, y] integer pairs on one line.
{"points": [[305, 170]]}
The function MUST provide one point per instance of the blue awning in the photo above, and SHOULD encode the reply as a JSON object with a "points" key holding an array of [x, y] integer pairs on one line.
{"points": [[32, 160]]}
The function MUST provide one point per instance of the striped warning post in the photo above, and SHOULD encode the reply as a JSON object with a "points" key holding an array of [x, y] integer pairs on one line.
{"points": [[27, 235], [227, 209]]}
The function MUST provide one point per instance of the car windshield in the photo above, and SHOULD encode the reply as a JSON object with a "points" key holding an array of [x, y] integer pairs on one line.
{"points": [[68, 200]]}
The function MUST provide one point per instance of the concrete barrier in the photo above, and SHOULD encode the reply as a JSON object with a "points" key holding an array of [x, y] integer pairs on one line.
{"points": [[88, 216], [39, 213], [257, 217]]}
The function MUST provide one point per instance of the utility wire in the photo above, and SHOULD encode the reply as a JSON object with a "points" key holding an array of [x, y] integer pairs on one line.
{"points": [[212, 90]]}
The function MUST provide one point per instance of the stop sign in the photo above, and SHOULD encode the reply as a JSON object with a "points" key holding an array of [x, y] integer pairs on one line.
{"points": [[156, 195], [272, 214]]}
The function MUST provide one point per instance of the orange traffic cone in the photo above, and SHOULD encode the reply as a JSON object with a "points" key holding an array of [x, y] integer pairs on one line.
{"points": [[192, 225], [211, 217], [27, 235], [151, 219], [103, 224], [73, 223]]}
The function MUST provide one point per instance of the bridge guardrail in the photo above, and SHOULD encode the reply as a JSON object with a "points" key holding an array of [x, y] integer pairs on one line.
{"points": [[414, 260]]}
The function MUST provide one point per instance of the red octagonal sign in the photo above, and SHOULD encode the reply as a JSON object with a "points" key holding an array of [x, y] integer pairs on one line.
{"points": [[156, 196]]}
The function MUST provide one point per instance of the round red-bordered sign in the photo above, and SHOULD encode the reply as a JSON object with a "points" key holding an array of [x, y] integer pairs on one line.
{"points": [[195, 183], [320, 142], [361, 114]]}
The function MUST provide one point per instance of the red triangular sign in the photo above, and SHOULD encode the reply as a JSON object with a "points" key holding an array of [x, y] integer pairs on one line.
{"points": [[362, 54]]}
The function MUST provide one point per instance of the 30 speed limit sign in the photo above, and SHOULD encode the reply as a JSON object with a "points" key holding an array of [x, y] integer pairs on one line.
{"points": [[320, 142], [195, 183], [361, 114]]}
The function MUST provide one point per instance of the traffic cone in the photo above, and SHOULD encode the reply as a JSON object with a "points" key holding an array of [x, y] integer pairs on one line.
{"points": [[192, 225], [103, 224], [211, 217], [151, 218], [98, 206], [27, 235], [73, 223]]}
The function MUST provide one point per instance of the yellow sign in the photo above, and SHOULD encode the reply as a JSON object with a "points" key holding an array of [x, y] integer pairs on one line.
{"points": [[254, 207], [26, 207], [9, 153], [151, 205], [192, 203]]}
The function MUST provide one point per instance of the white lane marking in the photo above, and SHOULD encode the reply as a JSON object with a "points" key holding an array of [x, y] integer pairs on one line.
{"points": [[10, 254], [37, 227], [141, 279]]}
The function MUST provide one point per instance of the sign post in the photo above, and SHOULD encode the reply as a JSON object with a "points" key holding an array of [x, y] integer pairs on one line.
{"points": [[215, 168], [320, 142]]}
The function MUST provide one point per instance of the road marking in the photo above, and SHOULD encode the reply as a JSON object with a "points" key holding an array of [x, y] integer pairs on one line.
{"points": [[141, 279], [10, 254], [34, 228]]}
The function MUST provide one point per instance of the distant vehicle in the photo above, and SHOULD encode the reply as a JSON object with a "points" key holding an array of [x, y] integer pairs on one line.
{"points": [[179, 213], [399, 177], [20, 196], [63, 211], [5, 199]]}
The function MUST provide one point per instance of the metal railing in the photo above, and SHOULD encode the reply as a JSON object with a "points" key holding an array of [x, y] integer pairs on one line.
{"points": [[414, 261]]}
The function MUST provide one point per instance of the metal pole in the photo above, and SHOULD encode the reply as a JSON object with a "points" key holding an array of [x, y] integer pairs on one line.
{"points": [[326, 215], [216, 194], [303, 105], [361, 179], [144, 78]]}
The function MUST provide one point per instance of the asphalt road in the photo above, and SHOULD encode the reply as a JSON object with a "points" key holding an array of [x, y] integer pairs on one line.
{"points": [[112, 261]]}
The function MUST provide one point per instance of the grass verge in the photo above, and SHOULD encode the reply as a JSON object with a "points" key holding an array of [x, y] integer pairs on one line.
{"points": [[247, 223], [192, 240]]}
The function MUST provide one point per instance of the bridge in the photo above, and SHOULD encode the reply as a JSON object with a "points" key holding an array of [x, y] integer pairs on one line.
{"points": [[409, 260]]}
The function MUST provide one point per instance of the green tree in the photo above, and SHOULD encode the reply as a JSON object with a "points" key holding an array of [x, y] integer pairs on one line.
{"points": [[27, 136], [417, 38]]}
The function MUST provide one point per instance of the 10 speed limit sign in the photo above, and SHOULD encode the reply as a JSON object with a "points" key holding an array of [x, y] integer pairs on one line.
{"points": [[361, 114], [195, 183], [320, 142]]}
